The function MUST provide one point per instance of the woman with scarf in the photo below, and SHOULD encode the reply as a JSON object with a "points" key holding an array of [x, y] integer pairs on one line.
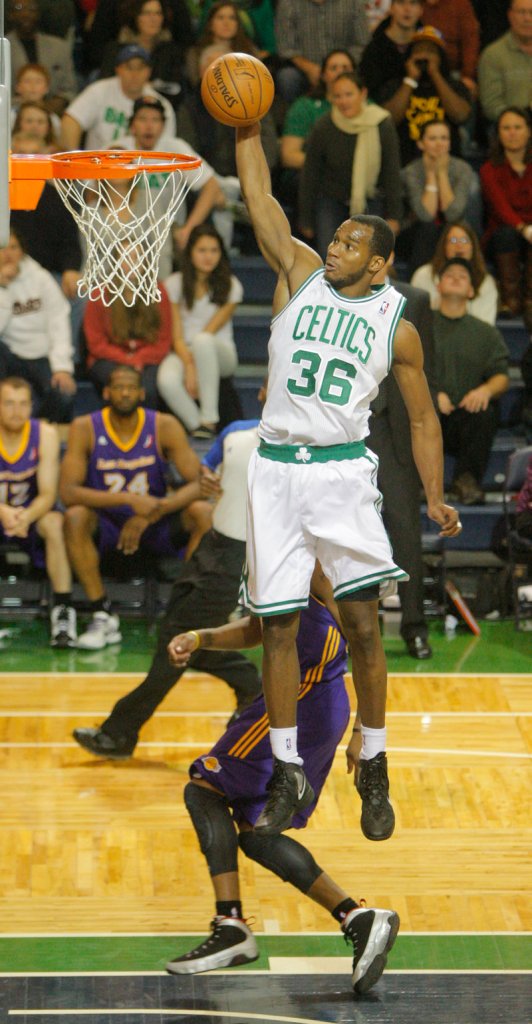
{"points": [[352, 164]]}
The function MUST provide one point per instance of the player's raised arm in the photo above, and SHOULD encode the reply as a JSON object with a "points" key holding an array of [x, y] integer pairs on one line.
{"points": [[270, 223]]}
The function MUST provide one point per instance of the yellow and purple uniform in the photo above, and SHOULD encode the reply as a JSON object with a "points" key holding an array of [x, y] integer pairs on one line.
{"points": [[240, 764], [18, 485], [135, 467]]}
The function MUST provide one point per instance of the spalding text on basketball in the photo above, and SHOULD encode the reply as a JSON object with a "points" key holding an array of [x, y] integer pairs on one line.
{"points": [[228, 99]]}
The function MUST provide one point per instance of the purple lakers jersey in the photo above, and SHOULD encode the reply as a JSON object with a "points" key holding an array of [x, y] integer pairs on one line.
{"points": [[18, 472], [321, 648], [137, 466]]}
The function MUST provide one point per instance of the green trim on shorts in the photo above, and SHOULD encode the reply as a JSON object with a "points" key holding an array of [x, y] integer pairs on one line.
{"points": [[305, 453], [367, 581], [280, 608]]}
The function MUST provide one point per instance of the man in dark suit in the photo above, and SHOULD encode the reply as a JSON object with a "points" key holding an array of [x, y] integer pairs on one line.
{"points": [[398, 478]]}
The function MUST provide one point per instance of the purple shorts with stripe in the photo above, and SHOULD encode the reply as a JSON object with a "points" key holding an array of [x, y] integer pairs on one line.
{"points": [[161, 538], [240, 764], [33, 545]]}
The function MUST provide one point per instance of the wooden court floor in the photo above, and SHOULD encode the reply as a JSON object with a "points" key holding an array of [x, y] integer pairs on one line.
{"points": [[91, 846]]}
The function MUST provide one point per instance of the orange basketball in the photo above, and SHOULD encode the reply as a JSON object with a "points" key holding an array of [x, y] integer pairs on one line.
{"points": [[237, 89]]}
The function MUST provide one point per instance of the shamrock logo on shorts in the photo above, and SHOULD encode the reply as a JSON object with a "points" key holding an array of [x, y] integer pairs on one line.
{"points": [[303, 455]]}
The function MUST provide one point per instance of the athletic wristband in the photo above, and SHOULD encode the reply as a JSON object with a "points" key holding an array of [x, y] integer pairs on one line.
{"points": [[431, 188], [192, 632], [411, 82]]}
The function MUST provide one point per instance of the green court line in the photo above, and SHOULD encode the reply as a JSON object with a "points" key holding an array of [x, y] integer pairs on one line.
{"points": [[150, 953]]}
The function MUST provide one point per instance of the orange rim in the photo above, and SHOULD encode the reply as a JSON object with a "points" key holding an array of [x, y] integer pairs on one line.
{"points": [[105, 163], [28, 172]]}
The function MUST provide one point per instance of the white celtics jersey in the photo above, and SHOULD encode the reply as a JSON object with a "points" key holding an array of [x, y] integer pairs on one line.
{"points": [[327, 356]]}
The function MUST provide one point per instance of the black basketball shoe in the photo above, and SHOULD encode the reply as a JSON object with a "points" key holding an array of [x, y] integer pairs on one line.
{"points": [[377, 820], [372, 934], [230, 944], [98, 742], [289, 791]]}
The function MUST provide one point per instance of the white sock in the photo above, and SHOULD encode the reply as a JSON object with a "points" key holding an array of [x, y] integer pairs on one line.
{"points": [[373, 742], [284, 745]]}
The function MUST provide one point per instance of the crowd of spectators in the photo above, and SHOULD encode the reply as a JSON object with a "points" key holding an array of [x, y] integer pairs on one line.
{"points": [[418, 110]]}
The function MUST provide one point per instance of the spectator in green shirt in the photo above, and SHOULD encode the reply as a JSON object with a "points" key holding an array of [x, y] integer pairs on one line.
{"points": [[300, 120], [471, 372]]}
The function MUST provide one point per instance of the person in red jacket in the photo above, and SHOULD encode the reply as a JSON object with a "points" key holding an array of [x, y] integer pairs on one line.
{"points": [[507, 188], [139, 336]]}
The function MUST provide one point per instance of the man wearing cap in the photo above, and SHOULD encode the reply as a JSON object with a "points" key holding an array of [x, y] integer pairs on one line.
{"points": [[457, 22], [415, 83], [103, 110], [147, 131], [471, 372]]}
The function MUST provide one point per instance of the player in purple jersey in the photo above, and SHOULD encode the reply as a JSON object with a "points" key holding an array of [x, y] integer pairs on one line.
{"points": [[29, 470], [229, 786], [113, 484]]}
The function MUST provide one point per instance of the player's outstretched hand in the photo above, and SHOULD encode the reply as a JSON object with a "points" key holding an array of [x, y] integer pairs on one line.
{"points": [[447, 517], [181, 647]]}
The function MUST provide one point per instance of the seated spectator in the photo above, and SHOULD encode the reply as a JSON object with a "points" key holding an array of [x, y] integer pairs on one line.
{"points": [[32, 85], [427, 92], [103, 110], [505, 67], [306, 110], [507, 188], [382, 65], [114, 487], [35, 332], [306, 31], [204, 295], [28, 45], [457, 22], [471, 361], [139, 336], [222, 27], [147, 128], [351, 166], [439, 188], [459, 239], [108, 18], [34, 119], [146, 24], [257, 20], [58, 17], [50, 236], [29, 471]]}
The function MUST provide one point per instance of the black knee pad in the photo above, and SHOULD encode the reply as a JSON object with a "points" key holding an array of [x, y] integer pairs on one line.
{"points": [[214, 828], [284, 856]]}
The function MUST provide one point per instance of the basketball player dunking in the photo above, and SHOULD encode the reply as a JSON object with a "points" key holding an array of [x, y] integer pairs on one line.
{"points": [[312, 483]]}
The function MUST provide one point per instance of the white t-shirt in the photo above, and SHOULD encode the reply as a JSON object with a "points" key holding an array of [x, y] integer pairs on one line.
{"points": [[35, 317], [195, 320], [103, 110]]}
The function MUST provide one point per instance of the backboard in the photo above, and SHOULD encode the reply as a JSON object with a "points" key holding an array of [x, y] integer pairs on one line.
{"points": [[5, 132]]}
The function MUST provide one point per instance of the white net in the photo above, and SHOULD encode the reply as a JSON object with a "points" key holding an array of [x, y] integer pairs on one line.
{"points": [[125, 223]]}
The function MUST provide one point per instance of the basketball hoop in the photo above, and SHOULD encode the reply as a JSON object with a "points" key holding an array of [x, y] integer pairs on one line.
{"points": [[124, 221]]}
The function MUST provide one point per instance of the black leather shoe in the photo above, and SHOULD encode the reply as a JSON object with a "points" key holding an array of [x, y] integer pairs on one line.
{"points": [[419, 647], [98, 742]]}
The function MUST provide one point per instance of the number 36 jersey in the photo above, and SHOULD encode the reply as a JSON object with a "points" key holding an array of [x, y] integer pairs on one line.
{"points": [[327, 356], [136, 467]]}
